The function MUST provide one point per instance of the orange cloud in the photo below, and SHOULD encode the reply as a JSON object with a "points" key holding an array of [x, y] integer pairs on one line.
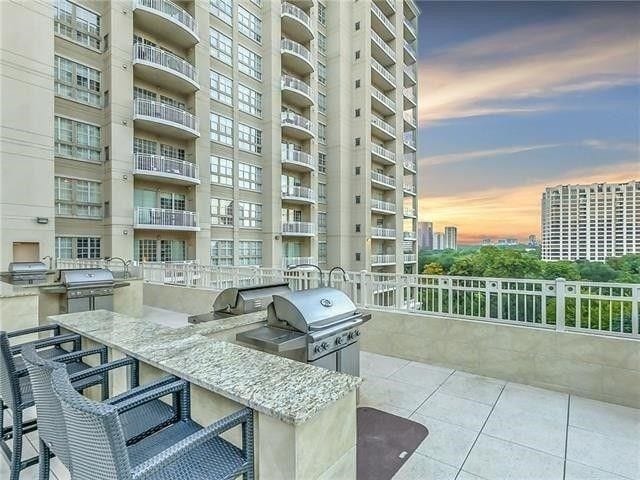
{"points": [[508, 212]]}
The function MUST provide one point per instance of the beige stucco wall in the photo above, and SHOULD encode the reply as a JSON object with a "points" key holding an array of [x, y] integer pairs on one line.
{"points": [[599, 367], [179, 299]]}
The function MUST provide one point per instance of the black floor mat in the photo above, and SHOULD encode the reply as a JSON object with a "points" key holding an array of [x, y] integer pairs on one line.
{"points": [[385, 442]]}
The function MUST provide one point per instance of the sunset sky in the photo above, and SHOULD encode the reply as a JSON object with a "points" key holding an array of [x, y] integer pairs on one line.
{"points": [[518, 96]]}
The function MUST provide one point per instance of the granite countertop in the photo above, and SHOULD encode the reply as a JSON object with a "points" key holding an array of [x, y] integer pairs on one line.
{"points": [[220, 325], [291, 391], [7, 290]]}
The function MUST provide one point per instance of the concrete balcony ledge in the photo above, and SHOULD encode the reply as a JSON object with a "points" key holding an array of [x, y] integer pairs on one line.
{"points": [[382, 52], [165, 219], [409, 30], [296, 91], [381, 102], [409, 164], [410, 189], [384, 181], [381, 206], [297, 126], [410, 212], [163, 168], [381, 76], [409, 76], [165, 118], [167, 19], [296, 23], [299, 229], [299, 194], [382, 259], [298, 160], [381, 232], [383, 155], [410, 54], [296, 56], [164, 68], [383, 129], [381, 24]]}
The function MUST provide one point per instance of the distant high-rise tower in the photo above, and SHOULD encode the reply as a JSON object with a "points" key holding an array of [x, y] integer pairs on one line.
{"points": [[591, 222], [438, 241], [425, 235], [451, 238]]}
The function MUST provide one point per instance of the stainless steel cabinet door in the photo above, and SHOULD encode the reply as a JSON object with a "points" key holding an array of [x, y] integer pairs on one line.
{"points": [[82, 304], [328, 361], [103, 303], [349, 359]]}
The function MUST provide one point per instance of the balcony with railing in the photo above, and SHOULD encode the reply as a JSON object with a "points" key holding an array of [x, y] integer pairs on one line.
{"points": [[387, 6], [380, 51], [167, 20], [381, 103], [298, 194], [409, 162], [410, 189], [410, 78], [409, 96], [288, 262], [165, 219], [165, 119], [381, 77], [295, 91], [382, 155], [409, 118], [298, 229], [410, 10], [410, 54], [381, 206], [409, 139], [296, 24], [385, 182], [165, 169], [382, 129], [409, 212], [298, 160], [410, 258], [296, 126], [164, 68], [296, 57], [383, 233], [409, 28], [411, 236], [381, 24], [379, 260]]}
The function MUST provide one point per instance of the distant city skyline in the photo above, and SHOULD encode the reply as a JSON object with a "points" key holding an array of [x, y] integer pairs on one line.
{"points": [[520, 96]]}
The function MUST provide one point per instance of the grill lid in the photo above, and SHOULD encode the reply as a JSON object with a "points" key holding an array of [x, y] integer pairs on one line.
{"points": [[27, 267], [239, 300], [86, 277], [313, 309]]}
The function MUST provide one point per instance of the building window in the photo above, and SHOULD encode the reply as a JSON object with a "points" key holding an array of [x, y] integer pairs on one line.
{"points": [[249, 62], [221, 88], [146, 250], [249, 100], [322, 14], [250, 252], [322, 103], [322, 252], [172, 201], [250, 177], [322, 192], [222, 252], [64, 247], [169, 151], [322, 222], [88, 247], [221, 129], [250, 215], [77, 82], [173, 250], [322, 133], [77, 24], [221, 171], [322, 162], [249, 25], [322, 44], [77, 140], [322, 73], [220, 46], [78, 198], [249, 139], [223, 9], [221, 212]]}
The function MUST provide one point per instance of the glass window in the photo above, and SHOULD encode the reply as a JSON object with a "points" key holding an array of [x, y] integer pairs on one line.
{"points": [[173, 250], [322, 162], [77, 140], [77, 82], [249, 100], [64, 247], [322, 192], [322, 73], [249, 62], [170, 151], [78, 198], [322, 14], [322, 222], [220, 46], [322, 252], [221, 171], [249, 25], [144, 94], [250, 177], [221, 212], [77, 24], [223, 9], [250, 252], [249, 139], [221, 252], [250, 214], [322, 44], [322, 133], [322, 103], [146, 250], [144, 146], [221, 129], [221, 87], [88, 247]]}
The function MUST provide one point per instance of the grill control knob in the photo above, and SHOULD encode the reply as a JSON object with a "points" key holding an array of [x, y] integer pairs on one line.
{"points": [[339, 341], [324, 345], [317, 349], [356, 333]]}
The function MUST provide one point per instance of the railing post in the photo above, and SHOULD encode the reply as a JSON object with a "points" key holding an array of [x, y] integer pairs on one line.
{"points": [[364, 288], [635, 299], [560, 304], [399, 291]]}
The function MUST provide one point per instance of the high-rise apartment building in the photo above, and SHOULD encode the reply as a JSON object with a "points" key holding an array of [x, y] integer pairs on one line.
{"points": [[438, 241], [450, 238], [246, 132], [591, 222], [425, 235]]}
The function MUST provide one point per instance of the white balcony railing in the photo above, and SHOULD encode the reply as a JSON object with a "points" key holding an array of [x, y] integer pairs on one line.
{"points": [[296, 120], [390, 104], [409, 117], [384, 126], [383, 206], [377, 66], [297, 13], [410, 258], [383, 179], [409, 212], [303, 159], [292, 83], [296, 192], [410, 94], [409, 162], [383, 18], [409, 25], [159, 164], [409, 235], [291, 261], [383, 152], [165, 218], [292, 46], [298, 228], [410, 71], [410, 48], [163, 59], [381, 232], [173, 11], [410, 139], [383, 259], [163, 112], [377, 39], [409, 189]]}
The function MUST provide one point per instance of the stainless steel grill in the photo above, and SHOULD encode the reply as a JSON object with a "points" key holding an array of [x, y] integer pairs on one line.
{"points": [[241, 300], [318, 326], [86, 289], [27, 273]]}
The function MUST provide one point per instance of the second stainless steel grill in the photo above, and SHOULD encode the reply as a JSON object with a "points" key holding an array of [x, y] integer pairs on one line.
{"points": [[86, 289], [27, 273]]}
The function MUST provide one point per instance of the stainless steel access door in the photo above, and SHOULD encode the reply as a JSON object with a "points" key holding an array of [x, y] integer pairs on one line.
{"points": [[349, 359], [104, 302]]}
